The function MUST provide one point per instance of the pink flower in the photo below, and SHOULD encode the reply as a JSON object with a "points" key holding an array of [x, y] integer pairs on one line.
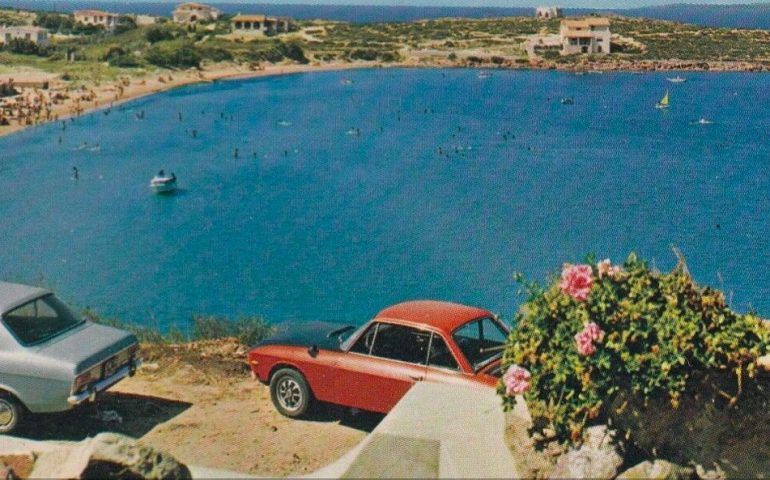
{"points": [[585, 346], [605, 268], [585, 339], [576, 281], [594, 332], [516, 380]]}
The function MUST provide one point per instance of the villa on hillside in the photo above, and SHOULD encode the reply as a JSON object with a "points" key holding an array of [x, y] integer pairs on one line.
{"points": [[260, 24], [194, 12], [589, 35], [97, 17], [548, 12], [35, 35]]}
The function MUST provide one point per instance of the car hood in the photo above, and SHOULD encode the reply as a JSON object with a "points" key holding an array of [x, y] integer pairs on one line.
{"points": [[87, 345], [307, 334]]}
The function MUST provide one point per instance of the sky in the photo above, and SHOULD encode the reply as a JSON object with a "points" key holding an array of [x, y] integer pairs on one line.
{"points": [[476, 3]]}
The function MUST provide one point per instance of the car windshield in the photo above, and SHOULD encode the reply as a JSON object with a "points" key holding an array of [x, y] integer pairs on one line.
{"points": [[39, 320], [350, 335], [481, 341]]}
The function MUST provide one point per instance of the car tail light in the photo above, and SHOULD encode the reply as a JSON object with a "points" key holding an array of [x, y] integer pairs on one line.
{"points": [[90, 375]]}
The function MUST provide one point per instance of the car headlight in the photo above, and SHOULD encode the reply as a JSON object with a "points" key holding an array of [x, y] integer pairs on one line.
{"points": [[90, 375]]}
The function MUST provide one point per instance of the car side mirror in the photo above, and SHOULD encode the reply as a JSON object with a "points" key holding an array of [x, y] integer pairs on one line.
{"points": [[313, 351]]}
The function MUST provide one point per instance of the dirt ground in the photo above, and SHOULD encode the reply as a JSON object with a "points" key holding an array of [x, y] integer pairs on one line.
{"points": [[199, 403]]}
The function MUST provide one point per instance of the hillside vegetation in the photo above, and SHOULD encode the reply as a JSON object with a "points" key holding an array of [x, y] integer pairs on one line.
{"points": [[90, 52]]}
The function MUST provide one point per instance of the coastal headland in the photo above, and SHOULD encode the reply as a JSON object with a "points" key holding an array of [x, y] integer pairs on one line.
{"points": [[81, 70]]}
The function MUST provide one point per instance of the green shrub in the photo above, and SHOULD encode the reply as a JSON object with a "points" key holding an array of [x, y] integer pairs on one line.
{"points": [[216, 54], [23, 46], [293, 51], [248, 330], [367, 54], [605, 330], [126, 60], [158, 33], [174, 56]]}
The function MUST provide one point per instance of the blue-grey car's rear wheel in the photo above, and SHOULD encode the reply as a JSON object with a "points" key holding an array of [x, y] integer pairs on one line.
{"points": [[290, 392], [10, 413]]}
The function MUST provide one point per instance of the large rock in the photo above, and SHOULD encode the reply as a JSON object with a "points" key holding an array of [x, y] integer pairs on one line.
{"points": [[598, 457], [108, 456], [657, 470], [720, 431]]}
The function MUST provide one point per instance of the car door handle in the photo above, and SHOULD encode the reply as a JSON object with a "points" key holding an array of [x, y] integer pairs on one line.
{"points": [[416, 378]]}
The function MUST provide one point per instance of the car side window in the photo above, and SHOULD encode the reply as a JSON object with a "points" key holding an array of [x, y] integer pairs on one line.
{"points": [[440, 355], [399, 342]]}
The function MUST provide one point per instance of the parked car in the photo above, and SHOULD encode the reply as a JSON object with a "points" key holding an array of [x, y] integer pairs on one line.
{"points": [[52, 360], [372, 367]]}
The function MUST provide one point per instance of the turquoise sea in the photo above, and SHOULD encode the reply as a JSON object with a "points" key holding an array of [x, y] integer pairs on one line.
{"points": [[354, 190]]}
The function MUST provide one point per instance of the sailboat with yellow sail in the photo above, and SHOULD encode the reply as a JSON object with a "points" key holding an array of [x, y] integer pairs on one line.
{"points": [[663, 103]]}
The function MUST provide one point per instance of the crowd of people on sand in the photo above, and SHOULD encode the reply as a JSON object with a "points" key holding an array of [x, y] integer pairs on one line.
{"points": [[38, 104]]}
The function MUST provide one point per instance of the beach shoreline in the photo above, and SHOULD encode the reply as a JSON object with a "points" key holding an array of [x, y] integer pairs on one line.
{"points": [[104, 96]]}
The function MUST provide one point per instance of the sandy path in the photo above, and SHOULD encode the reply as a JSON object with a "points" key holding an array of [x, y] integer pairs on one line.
{"points": [[201, 405], [234, 426]]}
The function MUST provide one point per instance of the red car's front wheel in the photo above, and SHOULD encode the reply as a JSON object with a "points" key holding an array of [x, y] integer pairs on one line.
{"points": [[290, 392]]}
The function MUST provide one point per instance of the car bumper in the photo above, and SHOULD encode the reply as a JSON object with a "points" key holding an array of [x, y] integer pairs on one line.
{"points": [[105, 383]]}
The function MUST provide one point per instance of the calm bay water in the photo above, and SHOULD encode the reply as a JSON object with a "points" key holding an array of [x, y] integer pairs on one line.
{"points": [[349, 196]]}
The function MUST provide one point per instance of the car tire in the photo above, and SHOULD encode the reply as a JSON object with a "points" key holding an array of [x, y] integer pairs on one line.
{"points": [[11, 412], [290, 393]]}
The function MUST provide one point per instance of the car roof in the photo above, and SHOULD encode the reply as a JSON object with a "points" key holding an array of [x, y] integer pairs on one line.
{"points": [[14, 294], [445, 316]]}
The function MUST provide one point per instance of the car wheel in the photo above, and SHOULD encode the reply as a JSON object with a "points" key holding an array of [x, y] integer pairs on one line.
{"points": [[290, 392], [10, 413]]}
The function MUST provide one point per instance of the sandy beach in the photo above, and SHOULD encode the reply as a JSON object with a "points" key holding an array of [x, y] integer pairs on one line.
{"points": [[35, 105]]}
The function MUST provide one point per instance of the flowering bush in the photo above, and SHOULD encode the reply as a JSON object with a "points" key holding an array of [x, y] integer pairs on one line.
{"points": [[603, 329]]}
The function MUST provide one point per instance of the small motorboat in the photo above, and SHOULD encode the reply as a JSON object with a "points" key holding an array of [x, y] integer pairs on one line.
{"points": [[162, 183], [567, 101], [483, 75], [677, 79], [703, 121]]}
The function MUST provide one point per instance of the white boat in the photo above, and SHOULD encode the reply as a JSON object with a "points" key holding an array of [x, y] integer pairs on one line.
{"points": [[677, 79], [567, 101], [483, 75], [704, 121], [663, 103], [162, 183]]}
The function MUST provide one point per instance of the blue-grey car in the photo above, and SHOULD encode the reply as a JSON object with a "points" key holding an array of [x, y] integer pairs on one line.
{"points": [[51, 359]]}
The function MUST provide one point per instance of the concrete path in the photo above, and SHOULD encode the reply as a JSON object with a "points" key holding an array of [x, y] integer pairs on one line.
{"points": [[435, 431]]}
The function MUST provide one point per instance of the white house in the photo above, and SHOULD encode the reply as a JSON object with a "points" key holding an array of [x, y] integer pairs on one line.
{"points": [[548, 12], [36, 35], [194, 12], [589, 35], [97, 17], [260, 24]]}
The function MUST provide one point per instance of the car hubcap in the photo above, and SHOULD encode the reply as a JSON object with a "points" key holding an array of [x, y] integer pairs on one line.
{"points": [[6, 414], [289, 394]]}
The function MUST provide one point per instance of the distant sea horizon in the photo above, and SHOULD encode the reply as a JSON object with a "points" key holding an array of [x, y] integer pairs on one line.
{"points": [[732, 16]]}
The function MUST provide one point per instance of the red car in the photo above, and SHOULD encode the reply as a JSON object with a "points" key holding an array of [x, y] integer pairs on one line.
{"points": [[372, 367]]}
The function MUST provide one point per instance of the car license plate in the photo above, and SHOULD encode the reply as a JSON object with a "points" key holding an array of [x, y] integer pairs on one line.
{"points": [[110, 366]]}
